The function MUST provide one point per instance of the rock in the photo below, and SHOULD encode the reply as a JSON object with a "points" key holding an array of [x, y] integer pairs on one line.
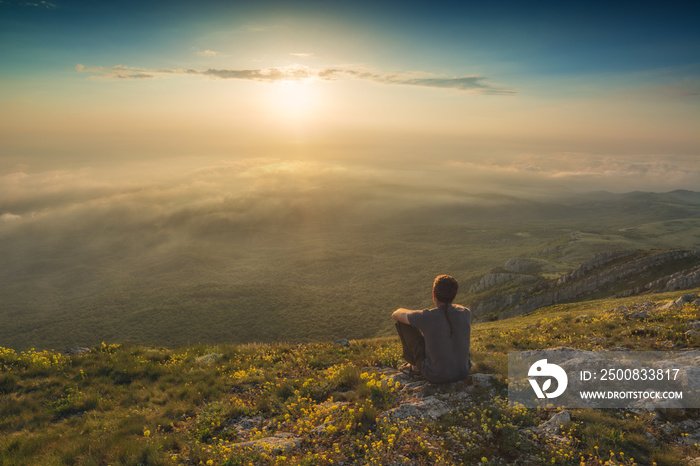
{"points": [[278, 444], [680, 302], [527, 266], [694, 324], [602, 272], [77, 351], [431, 401], [496, 302], [683, 280], [412, 386], [638, 315], [491, 280], [691, 427], [426, 408], [482, 380], [342, 342], [639, 311], [693, 336], [208, 358], [556, 421], [246, 424], [318, 430]]}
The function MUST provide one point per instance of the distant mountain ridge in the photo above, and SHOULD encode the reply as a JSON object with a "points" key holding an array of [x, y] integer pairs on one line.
{"points": [[618, 273]]}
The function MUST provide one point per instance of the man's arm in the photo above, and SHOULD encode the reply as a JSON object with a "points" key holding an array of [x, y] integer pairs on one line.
{"points": [[401, 315]]}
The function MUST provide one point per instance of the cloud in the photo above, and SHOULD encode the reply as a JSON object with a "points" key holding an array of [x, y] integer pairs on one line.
{"points": [[40, 4], [241, 197], [473, 84], [116, 72], [9, 217], [464, 83], [577, 172], [232, 197], [270, 74], [207, 53], [302, 55]]}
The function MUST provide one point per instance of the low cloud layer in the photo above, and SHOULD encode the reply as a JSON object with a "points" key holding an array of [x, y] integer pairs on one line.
{"points": [[258, 193], [474, 84]]}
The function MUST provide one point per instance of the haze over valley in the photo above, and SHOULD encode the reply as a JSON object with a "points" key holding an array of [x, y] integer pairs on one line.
{"points": [[284, 250]]}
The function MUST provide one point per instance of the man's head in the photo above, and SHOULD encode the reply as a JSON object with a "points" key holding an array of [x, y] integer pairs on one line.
{"points": [[445, 289]]}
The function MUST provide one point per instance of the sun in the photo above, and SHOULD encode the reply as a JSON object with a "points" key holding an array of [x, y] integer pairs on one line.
{"points": [[293, 100]]}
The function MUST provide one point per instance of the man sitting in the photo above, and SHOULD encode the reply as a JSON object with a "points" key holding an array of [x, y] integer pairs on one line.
{"points": [[436, 341]]}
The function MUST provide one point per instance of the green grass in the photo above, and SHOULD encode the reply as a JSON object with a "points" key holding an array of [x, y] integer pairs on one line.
{"points": [[124, 404]]}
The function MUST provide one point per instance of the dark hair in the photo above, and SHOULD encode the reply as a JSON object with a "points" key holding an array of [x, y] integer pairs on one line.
{"points": [[445, 288]]}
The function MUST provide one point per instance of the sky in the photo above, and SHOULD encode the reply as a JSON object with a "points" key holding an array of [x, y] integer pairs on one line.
{"points": [[104, 100]]}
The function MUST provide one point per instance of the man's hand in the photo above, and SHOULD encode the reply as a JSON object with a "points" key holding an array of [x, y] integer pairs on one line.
{"points": [[401, 315]]}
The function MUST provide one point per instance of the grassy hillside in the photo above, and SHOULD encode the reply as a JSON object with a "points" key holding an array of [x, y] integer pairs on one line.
{"points": [[123, 404], [171, 282]]}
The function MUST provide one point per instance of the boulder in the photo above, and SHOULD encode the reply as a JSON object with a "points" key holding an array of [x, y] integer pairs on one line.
{"points": [[680, 302], [245, 424], [556, 421], [424, 408]]}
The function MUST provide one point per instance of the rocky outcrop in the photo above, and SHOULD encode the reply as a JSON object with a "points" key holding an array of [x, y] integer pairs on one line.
{"points": [[589, 276], [495, 303], [595, 263], [678, 281], [604, 271], [515, 271], [493, 279], [422, 400], [680, 302], [517, 265]]}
